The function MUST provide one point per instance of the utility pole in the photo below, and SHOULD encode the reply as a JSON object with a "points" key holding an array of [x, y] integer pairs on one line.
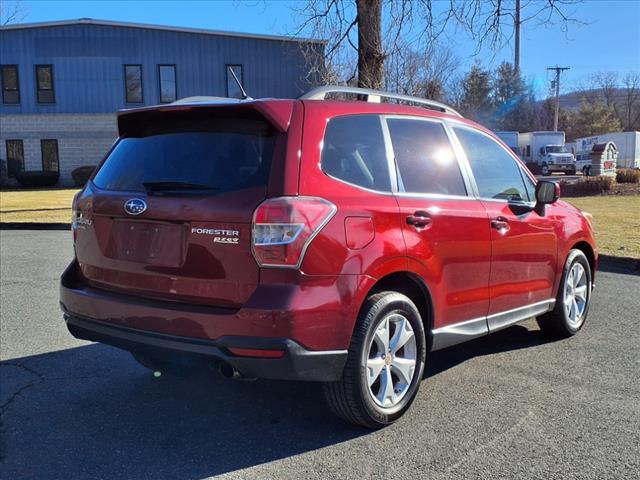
{"points": [[556, 83], [517, 23]]}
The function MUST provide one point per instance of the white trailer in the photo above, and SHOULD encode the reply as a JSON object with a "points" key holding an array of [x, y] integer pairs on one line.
{"points": [[511, 140], [545, 152], [627, 143]]}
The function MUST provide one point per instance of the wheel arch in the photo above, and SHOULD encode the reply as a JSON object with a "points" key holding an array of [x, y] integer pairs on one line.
{"points": [[588, 251], [413, 287]]}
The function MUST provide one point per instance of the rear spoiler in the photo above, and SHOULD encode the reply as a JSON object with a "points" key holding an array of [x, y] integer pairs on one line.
{"points": [[276, 112]]}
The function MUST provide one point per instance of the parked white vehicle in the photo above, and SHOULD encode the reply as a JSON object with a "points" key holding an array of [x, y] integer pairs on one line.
{"points": [[545, 153], [511, 140], [627, 144]]}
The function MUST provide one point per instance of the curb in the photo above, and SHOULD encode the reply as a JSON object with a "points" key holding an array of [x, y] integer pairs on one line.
{"points": [[34, 226]]}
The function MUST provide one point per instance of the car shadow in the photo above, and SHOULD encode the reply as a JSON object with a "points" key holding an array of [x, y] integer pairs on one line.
{"points": [[92, 412], [513, 338]]}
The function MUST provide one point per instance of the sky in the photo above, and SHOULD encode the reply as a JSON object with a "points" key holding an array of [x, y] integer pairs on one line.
{"points": [[608, 39]]}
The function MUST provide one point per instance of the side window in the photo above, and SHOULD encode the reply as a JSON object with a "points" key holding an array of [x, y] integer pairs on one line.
{"points": [[495, 170], [424, 158], [354, 151]]}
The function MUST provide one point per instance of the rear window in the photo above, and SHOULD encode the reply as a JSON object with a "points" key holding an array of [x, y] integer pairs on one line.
{"points": [[219, 155]]}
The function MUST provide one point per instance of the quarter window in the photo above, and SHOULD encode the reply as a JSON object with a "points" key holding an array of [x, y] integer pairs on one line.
{"points": [[10, 84], [167, 83], [50, 155], [133, 83], [354, 151], [44, 78], [496, 172], [233, 90], [424, 158], [15, 157]]}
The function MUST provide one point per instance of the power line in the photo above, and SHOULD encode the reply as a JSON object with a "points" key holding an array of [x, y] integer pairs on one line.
{"points": [[556, 83]]}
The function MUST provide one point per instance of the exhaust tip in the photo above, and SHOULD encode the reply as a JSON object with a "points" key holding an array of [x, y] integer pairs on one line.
{"points": [[229, 371]]}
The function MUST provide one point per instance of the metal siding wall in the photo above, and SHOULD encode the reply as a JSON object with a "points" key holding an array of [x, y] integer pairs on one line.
{"points": [[88, 65]]}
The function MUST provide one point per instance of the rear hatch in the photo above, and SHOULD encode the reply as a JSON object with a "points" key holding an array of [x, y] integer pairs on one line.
{"points": [[168, 213]]}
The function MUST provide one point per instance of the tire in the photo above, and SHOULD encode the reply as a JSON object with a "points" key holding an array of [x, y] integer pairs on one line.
{"points": [[585, 171], [351, 398], [544, 170], [560, 322], [569, 172], [156, 363]]}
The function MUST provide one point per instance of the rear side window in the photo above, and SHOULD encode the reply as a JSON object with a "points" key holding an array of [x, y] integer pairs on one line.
{"points": [[354, 151], [222, 156], [424, 158], [495, 170]]}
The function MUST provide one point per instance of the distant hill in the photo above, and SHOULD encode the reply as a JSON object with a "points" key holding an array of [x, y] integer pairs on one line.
{"points": [[572, 100]]}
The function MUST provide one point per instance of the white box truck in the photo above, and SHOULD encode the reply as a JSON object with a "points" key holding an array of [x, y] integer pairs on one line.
{"points": [[511, 140], [545, 153], [627, 144]]}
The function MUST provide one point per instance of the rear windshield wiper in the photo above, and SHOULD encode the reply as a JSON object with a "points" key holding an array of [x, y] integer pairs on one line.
{"points": [[172, 186]]}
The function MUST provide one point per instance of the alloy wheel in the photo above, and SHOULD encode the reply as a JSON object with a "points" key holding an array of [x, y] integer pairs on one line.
{"points": [[391, 360], [575, 295]]}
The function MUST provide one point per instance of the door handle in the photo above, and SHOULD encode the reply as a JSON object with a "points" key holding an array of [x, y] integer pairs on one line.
{"points": [[419, 219], [501, 224]]}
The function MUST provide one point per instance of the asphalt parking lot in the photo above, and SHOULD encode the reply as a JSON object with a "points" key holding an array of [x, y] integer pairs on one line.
{"points": [[512, 405]]}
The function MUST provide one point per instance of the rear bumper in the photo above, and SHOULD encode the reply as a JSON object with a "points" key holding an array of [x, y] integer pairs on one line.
{"points": [[297, 363], [312, 326]]}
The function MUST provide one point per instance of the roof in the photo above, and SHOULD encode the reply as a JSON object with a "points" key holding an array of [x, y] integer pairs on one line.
{"points": [[147, 26]]}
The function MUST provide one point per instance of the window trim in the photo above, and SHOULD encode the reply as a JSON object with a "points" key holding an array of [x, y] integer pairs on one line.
{"points": [[42, 140], [6, 151], [227, 67], [126, 91], [11, 65], [518, 162], [456, 153], [53, 86], [175, 81]]}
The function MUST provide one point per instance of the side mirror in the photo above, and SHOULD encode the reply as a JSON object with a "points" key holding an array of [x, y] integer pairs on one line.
{"points": [[546, 193]]}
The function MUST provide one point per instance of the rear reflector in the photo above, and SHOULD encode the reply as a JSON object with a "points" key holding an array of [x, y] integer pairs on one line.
{"points": [[284, 227], [252, 352]]}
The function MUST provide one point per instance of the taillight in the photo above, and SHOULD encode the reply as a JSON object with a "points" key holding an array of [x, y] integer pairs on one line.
{"points": [[284, 227]]}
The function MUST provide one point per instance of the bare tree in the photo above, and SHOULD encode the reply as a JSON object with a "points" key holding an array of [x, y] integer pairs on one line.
{"points": [[374, 30], [12, 12], [621, 95]]}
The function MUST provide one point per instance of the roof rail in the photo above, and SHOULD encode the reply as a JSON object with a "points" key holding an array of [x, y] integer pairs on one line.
{"points": [[205, 99], [374, 96]]}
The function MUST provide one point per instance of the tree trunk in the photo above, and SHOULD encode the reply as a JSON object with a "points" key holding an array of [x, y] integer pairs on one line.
{"points": [[370, 56]]}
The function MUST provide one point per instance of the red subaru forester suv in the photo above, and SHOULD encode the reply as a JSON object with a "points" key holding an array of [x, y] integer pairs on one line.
{"points": [[327, 240]]}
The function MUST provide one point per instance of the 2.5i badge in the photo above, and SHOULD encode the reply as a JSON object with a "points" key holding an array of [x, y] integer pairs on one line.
{"points": [[229, 237]]}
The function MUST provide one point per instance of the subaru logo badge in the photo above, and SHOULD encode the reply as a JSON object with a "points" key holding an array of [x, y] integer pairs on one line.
{"points": [[135, 206]]}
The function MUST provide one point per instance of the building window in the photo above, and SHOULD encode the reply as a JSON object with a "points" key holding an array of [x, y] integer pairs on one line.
{"points": [[233, 90], [10, 84], [133, 83], [50, 155], [44, 77], [15, 157], [168, 88]]}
